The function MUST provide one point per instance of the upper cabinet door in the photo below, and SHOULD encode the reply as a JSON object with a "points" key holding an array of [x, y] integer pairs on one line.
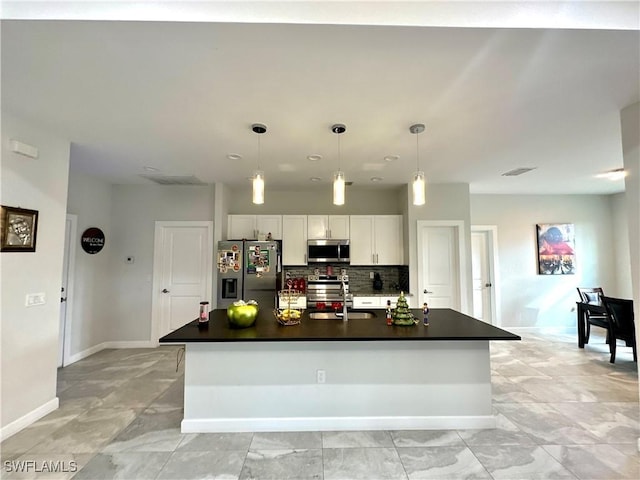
{"points": [[269, 224], [251, 226], [361, 247], [339, 226], [388, 241], [317, 226], [294, 239], [328, 226], [241, 226]]}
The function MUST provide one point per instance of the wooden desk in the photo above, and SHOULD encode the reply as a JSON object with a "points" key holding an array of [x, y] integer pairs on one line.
{"points": [[582, 311]]}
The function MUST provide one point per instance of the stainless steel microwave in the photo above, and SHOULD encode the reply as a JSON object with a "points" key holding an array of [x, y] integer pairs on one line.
{"points": [[328, 251]]}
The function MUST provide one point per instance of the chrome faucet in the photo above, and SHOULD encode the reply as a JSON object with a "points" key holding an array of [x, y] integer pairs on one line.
{"points": [[344, 289]]}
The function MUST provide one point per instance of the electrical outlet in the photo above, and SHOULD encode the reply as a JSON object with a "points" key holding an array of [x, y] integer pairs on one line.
{"points": [[371, 275], [321, 376]]}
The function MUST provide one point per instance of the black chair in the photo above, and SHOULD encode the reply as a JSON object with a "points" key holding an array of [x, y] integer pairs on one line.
{"points": [[621, 324], [596, 314]]}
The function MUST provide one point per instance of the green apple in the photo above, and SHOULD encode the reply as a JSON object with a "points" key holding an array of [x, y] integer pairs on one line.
{"points": [[242, 314]]}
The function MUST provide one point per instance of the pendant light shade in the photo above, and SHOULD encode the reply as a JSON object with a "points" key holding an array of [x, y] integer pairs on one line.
{"points": [[258, 187], [258, 175], [338, 177], [338, 188], [419, 188], [419, 182]]}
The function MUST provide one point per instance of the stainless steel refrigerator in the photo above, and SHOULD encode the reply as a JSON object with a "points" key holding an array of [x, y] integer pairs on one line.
{"points": [[248, 270]]}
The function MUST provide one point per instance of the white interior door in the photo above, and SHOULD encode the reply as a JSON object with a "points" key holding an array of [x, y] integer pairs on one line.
{"points": [[485, 273], [481, 277], [183, 271], [439, 267], [66, 285]]}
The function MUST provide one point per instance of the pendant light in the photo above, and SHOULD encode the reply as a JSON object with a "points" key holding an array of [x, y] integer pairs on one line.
{"points": [[258, 175], [338, 177], [419, 181]]}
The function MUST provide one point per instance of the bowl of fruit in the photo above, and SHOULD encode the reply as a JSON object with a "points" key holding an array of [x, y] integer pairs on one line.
{"points": [[288, 316]]}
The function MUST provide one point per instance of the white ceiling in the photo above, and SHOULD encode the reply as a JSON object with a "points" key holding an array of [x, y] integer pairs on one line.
{"points": [[180, 96]]}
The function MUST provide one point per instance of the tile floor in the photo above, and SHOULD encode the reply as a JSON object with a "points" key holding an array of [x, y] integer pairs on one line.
{"points": [[562, 413]]}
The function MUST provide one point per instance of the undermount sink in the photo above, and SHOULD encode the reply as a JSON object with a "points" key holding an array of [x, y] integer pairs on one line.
{"points": [[333, 316]]}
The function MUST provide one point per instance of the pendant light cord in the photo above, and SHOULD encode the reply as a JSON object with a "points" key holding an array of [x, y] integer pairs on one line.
{"points": [[417, 153], [259, 152], [339, 152]]}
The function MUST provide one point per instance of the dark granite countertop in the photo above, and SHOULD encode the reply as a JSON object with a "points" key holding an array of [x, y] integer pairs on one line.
{"points": [[444, 324]]}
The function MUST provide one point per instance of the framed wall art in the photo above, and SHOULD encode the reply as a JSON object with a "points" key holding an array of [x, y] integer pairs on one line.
{"points": [[18, 229], [556, 249]]}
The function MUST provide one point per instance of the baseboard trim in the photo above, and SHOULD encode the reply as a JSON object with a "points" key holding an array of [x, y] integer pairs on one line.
{"points": [[315, 424], [111, 344], [131, 344], [26, 420], [85, 353], [559, 329]]}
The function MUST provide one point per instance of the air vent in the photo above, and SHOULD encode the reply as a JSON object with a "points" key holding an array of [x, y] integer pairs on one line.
{"points": [[174, 180], [517, 171]]}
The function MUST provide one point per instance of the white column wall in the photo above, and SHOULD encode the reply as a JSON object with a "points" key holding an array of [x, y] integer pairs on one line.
{"points": [[29, 335]]}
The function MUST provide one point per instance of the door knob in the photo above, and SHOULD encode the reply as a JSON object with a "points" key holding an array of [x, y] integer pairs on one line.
{"points": [[164, 290], [426, 291]]}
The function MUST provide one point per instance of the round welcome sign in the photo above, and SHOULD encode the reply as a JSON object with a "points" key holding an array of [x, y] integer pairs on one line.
{"points": [[92, 240]]}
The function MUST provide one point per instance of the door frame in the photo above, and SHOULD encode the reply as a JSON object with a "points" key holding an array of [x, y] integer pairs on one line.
{"points": [[463, 267], [65, 336], [160, 225], [494, 273]]}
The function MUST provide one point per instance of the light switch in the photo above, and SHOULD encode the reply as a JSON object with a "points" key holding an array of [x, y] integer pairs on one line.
{"points": [[34, 299]]}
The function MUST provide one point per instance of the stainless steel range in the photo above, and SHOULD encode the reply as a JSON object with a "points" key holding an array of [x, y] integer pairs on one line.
{"points": [[328, 291]]}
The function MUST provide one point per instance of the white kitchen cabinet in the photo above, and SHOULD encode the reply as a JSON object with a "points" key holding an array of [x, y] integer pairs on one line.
{"points": [[376, 240], [269, 224], [388, 240], [366, 302], [380, 301], [328, 226], [361, 247], [294, 240], [250, 226]]}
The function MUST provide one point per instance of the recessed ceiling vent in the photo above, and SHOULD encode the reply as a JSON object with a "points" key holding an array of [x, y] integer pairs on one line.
{"points": [[174, 180], [517, 171]]}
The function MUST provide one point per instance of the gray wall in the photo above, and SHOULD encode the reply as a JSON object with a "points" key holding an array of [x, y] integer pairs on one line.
{"points": [[532, 300], [444, 202], [317, 201], [112, 298], [622, 253], [135, 209], [90, 200], [630, 123], [29, 335]]}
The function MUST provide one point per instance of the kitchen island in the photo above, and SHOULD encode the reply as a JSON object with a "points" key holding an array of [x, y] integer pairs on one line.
{"points": [[335, 375]]}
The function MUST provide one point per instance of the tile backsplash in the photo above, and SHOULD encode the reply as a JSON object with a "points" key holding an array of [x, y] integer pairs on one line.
{"points": [[394, 278]]}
